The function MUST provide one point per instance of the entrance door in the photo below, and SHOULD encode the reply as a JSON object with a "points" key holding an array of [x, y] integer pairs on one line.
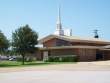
{"points": [[99, 56]]}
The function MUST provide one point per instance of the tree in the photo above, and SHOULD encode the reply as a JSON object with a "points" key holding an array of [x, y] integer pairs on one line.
{"points": [[24, 40], [4, 43]]}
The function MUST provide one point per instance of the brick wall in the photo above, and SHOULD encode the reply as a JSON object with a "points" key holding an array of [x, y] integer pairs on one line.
{"points": [[87, 54], [50, 43], [56, 42], [60, 52], [82, 54], [106, 55]]}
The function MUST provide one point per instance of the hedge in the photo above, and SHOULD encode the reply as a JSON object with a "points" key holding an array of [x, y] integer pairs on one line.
{"points": [[65, 58]]}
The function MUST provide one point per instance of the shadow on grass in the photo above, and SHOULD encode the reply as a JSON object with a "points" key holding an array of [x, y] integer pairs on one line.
{"points": [[5, 65]]}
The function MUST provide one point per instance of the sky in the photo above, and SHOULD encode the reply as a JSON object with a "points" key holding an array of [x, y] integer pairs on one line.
{"points": [[82, 16]]}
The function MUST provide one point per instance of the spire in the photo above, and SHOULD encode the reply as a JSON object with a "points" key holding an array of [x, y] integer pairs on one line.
{"points": [[59, 25], [59, 30]]}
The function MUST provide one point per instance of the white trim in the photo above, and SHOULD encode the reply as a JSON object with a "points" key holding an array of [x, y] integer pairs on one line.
{"points": [[70, 47]]}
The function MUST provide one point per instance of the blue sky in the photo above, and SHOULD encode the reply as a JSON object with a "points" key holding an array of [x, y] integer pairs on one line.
{"points": [[82, 16]]}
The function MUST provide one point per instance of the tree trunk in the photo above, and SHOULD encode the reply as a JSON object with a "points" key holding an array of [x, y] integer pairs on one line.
{"points": [[23, 59]]}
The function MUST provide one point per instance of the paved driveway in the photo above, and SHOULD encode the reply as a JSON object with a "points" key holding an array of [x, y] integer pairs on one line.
{"points": [[52, 76]]}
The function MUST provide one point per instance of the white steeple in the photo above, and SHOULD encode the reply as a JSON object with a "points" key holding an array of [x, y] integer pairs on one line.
{"points": [[59, 25], [59, 30]]}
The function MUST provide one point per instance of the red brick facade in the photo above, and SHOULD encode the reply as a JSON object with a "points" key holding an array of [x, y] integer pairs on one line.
{"points": [[58, 42], [50, 43], [83, 54]]}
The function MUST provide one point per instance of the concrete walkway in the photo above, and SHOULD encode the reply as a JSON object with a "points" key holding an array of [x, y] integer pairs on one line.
{"points": [[52, 76]]}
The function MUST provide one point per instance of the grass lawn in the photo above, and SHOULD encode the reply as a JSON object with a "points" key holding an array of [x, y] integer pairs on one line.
{"points": [[19, 64], [34, 63]]}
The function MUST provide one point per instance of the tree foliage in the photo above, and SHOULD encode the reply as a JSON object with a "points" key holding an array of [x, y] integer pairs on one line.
{"points": [[24, 40], [4, 43]]}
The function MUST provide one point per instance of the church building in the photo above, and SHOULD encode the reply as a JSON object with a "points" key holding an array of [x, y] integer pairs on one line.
{"points": [[63, 43]]}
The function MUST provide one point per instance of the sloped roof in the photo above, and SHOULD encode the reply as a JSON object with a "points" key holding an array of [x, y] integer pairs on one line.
{"points": [[74, 39]]}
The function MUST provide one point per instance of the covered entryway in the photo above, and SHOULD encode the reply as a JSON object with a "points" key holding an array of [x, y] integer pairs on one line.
{"points": [[99, 55]]}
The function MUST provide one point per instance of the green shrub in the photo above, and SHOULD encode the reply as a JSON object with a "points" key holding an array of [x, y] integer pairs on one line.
{"points": [[53, 59], [66, 58]]}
